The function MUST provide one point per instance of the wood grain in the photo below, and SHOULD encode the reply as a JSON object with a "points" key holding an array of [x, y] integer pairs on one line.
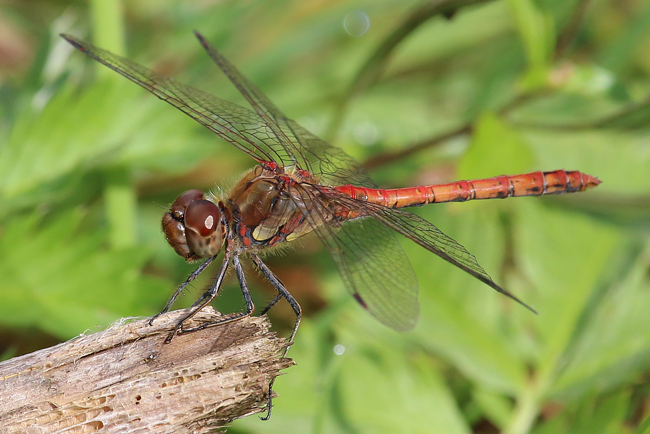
{"points": [[126, 379]]}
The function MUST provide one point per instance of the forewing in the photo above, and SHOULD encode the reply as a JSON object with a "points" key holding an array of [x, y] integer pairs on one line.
{"points": [[300, 146], [371, 263], [237, 125]]}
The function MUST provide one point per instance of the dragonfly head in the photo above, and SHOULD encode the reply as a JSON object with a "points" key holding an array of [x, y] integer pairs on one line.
{"points": [[193, 226]]}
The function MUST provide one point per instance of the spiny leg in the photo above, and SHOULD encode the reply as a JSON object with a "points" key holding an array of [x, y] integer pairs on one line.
{"points": [[210, 294], [180, 289], [206, 297], [271, 304], [282, 293]]}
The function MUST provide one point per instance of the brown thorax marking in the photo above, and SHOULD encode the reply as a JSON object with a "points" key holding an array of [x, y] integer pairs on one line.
{"points": [[264, 203]]}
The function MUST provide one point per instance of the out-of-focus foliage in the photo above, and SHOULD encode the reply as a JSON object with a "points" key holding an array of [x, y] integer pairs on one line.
{"points": [[88, 161]]}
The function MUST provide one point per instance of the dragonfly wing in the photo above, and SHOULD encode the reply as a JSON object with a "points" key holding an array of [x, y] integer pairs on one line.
{"points": [[265, 134], [238, 125], [431, 238], [371, 263], [302, 147], [263, 106], [331, 163]]}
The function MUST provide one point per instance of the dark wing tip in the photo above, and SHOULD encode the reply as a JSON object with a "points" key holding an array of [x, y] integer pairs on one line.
{"points": [[200, 37], [74, 41], [488, 280], [217, 57], [511, 296], [529, 308]]}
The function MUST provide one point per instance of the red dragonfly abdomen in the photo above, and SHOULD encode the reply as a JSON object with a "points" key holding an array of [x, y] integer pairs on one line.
{"points": [[529, 184]]}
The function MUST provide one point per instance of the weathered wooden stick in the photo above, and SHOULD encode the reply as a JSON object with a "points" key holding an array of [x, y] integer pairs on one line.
{"points": [[125, 379]]}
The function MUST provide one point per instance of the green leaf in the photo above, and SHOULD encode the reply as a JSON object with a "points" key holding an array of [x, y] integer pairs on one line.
{"points": [[495, 406], [47, 154], [419, 400], [612, 346], [461, 317], [562, 256], [537, 30], [496, 149], [62, 279]]}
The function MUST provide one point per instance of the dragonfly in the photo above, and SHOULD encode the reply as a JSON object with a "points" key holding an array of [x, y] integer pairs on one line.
{"points": [[303, 185]]}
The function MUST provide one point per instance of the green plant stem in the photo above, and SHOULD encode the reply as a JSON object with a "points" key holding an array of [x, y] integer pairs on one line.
{"points": [[120, 202], [107, 17], [120, 198], [532, 397], [526, 411]]}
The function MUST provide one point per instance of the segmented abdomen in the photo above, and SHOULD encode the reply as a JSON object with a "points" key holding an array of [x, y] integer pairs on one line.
{"points": [[529, 184]]}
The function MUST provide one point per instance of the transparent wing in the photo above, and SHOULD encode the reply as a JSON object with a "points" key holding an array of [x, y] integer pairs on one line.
{"points": [[428, 236], [264, 108], [235, 124], [306, 150], [371, 263], [265, 134]]}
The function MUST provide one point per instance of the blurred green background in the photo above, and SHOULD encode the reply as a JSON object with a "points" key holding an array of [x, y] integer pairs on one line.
{"points": [[88, 161]]}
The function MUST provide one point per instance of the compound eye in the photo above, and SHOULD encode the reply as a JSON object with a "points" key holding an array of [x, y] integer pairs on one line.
{"points": [[202, 216], [184, 199]]}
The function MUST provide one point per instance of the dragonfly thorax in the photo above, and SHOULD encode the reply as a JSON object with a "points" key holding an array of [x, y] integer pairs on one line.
{"points": [[267, 208]]}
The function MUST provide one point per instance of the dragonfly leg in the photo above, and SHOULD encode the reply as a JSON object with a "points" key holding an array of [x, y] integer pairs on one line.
{"points": [[212, 292], [180, 289], [205, 298], [271, 304], [282, 293]]}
